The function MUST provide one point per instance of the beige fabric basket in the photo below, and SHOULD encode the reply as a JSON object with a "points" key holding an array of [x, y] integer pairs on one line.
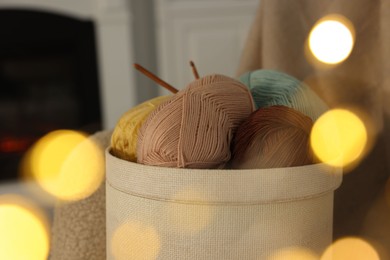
{"points": [[170, 213]]}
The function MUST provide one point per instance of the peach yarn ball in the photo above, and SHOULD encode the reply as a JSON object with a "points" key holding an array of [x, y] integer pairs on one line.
{"points": [[194, 129]]}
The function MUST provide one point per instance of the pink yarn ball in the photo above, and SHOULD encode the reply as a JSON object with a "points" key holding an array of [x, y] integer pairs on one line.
{"points": [[195, 127]]}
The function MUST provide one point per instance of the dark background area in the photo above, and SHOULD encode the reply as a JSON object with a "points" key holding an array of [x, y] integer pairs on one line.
{"points": [[48, 81]]}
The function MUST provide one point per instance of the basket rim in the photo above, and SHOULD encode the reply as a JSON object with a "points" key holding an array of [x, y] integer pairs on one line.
{"points": [[221, 186]]}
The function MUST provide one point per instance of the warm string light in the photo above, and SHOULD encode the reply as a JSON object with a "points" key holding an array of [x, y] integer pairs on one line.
{"points": [[66, 164], [135, 240], [331, 39], [339, 138], [189, 219], [293, 253], [353, 248], [23, 229]]}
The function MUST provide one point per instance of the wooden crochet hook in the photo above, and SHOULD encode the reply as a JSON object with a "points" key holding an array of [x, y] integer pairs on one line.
{"points": [[155, 78], [194, 70]]}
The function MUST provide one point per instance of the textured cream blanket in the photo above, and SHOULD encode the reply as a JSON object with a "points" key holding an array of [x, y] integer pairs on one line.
{"points": [[79, 228], [276, 41]]}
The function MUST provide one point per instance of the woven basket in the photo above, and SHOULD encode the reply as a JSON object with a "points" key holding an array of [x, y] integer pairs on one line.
{"points": [[171, 213]]}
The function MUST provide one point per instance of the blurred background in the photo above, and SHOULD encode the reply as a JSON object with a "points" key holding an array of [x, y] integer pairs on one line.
{"points": [[68, 64]]}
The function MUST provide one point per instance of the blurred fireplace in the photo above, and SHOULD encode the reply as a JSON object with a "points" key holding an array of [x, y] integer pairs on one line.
{"points": [[48, 80]]}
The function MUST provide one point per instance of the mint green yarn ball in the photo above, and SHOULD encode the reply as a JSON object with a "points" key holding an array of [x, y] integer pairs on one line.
{"points": [[271, 87]]}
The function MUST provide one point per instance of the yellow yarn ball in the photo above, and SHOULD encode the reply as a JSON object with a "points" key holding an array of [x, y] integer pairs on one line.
{"points": [[125, 135]]}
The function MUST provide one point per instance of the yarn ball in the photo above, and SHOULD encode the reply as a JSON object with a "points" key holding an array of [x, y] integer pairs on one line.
{"points": [[195, 127], [273, 137], [270, 87], [125, 135]]}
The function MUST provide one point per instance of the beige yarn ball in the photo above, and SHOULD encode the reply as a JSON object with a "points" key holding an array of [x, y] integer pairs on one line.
{"points": [[194, 129]]}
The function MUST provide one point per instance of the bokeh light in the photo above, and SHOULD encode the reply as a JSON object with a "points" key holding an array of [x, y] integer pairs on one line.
{"points": [[66, 164], [23, 230], [294, 253], [350, 248], [338, 137], [135, 240], [190, 218], [332, 39]]}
